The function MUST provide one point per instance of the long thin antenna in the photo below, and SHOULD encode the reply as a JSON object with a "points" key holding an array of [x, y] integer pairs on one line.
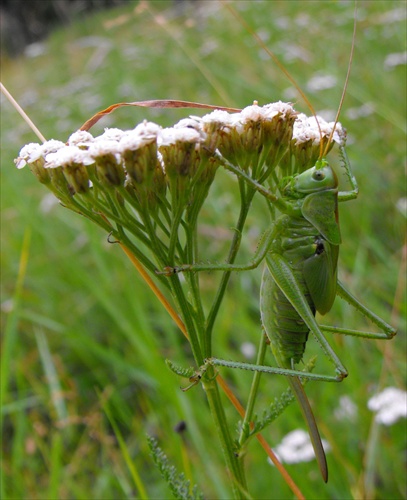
{"points": [[345, 87], [243, 22], [277, 61]]}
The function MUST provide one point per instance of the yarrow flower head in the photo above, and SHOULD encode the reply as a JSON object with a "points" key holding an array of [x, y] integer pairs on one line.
{"points": [[255, 136], [138, 149], [308, 134], [81, 138], [180, 150], [154, 168], [34, 155]]}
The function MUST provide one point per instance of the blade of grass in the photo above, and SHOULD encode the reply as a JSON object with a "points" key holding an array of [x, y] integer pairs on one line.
{"points": [[142, 493], [10, 333]]}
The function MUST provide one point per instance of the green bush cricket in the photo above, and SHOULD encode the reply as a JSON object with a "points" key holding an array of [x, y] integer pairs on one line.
{"points": [[301, 251]]}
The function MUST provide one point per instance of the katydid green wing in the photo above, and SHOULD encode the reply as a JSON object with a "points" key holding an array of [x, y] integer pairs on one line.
{"points": [[320, 270], [321, 209]]}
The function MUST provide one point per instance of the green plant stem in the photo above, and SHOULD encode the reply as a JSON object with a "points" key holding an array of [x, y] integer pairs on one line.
{"points": [[121, 236], [253, 392], [193, 256], [247, 194], [234, 464], [185, 309]]}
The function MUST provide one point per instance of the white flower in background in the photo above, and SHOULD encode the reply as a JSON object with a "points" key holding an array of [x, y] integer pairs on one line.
{"points": [[321, 82], [401, 205], [390, 405], [395, 59], [248, 349], [346, 409], [296, 447]]}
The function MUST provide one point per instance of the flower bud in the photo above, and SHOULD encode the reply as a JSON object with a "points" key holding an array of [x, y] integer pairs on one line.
{"points": [[34, 155], [267, 131], [109, 168], [223, 131], [138, 149], [81, 138], [179, 148], [308, 134], [74, 162]]}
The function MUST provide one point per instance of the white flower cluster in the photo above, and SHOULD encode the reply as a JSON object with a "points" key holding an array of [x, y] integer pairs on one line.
{"points": [[82, 148], [306, 129], [32, 152], [249, 114]]}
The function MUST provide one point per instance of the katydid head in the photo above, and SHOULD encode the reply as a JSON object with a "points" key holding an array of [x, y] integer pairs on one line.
{"points": [[321, 177], [317, 188]]}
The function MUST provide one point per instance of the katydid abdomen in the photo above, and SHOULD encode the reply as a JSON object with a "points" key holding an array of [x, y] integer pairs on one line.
{"points": [[311, 258], [285, 329], [302, 248]]}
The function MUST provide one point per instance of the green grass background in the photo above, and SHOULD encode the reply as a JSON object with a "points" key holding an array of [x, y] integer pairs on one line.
{"points": [[82, 331]]}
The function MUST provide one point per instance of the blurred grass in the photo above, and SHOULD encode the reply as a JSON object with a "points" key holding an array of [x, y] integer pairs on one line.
{"points": [[83, 332]]}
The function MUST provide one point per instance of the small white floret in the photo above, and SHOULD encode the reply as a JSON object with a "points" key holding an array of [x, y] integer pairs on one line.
{"points": [[149, 129], [80, 138], [231, 120], [111, 134], [266, 112], [102, 148], [28, 154], [67, 156], [172, 135], [306, 128], [52, 146]]}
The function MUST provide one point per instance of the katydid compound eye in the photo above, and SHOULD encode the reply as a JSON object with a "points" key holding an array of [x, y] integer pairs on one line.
{"points": [[318, 175]]}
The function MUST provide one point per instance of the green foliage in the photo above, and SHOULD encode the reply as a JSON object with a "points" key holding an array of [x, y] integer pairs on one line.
{"points": [[279, 404], [180, 487], [82, 309], [180, 370]]}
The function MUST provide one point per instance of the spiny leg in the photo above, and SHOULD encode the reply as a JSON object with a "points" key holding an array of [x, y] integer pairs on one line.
{"points": [[388, 331], [261, 252], [287, 282], [348, 195]]}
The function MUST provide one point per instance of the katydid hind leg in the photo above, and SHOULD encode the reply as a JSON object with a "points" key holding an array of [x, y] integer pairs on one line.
{"points": [[388, 332], [287, 282], [288, 334], [309, 418]]}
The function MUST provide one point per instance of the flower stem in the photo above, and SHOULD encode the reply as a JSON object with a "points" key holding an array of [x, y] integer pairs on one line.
{"points": [[247, 194], [233, 462]]}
